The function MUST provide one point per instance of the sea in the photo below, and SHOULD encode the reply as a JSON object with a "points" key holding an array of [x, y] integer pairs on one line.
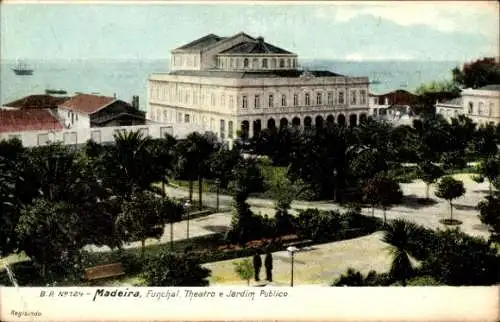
{"points": [[126, 78]]}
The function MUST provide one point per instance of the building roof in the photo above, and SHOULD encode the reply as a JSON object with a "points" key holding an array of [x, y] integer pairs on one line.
{"points": [[107, 118], [87, 104], [492, 87], [255, 47], [257, 74], [28, 120], [201, 43], [455, 102], [395, 92], [37, 101]]}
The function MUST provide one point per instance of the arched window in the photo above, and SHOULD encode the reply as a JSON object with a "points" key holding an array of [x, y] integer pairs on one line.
{"points": [[308, 99], [283, 100], [271, 100], [245, 63], [244, 102], [295, 99], [341, 97], [471, 108], [282, 63], [330, 98], [264, 63], [230, 129], [362, 96], [273, 63], [257, 101], [289, 63]]}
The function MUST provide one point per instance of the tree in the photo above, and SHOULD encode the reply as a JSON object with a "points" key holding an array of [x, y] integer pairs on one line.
{"points": [[171, 211], [484, 71], [50, 234], [164, 157], [398, 236], [429, 173], [130, 164], [194, 153], [284, 193], [353, 277], [488, 168], [222, 164], [489, 214], [486, 140], [140, 219], [384, 191], [450, 189], [459, 259], [244, 269], [171, 269]]}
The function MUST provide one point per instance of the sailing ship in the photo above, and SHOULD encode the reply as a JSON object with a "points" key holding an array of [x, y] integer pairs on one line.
{"points": [[56, 91], [22, 69]]}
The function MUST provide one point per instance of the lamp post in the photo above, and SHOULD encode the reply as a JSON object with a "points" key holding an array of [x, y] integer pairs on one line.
{"points": [[217, 183], [291, 250], [187, 205]]}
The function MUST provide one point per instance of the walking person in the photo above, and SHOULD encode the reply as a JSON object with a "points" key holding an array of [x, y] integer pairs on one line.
{"points": [[268, 264], [257, 264]]}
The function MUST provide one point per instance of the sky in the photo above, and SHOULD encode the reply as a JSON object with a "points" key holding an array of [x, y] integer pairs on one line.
{"points": [[375, 30]]}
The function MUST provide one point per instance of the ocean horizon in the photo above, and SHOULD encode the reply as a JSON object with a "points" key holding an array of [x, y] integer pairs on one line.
{"points": [[128, 77]]}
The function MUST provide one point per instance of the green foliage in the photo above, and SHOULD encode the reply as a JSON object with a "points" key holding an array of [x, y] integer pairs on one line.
{"points": [[429, 173], [244, 269], [488, 168], [50, 234], [460, 259], [489, 214], [382, 190], [435, 87], [222, 164], [141, 218], [486, 140], [353, 277], [398, 236], [425, 280], [170, 269], [449, 189], [484, 71]]}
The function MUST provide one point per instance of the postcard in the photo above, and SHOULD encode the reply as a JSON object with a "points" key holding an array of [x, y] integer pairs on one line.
{"points": [[172, 161]]}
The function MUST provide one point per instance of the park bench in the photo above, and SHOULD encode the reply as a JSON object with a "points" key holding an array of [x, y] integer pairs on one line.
{"points": [[104, 271]]}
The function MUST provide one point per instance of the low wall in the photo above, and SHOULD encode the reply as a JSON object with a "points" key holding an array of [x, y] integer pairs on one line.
{"points": [[99, 134]]}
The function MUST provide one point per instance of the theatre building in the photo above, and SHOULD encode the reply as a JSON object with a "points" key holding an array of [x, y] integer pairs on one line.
{"points": [[241, 83]]}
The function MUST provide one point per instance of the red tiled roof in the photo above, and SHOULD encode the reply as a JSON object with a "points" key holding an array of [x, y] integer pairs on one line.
{"points": [[37, 101], [28, 120], [86, 103]]}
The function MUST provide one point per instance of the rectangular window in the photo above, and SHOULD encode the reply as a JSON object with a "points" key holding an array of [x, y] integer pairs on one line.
{"points": [[144, 132], [222, 129], [244, 102], [69, 138], [230, 129], [223, 100], [271, 100], [341, 97], [308, 99], [353, 97], [231, 101], [179, 117], [95, 136], [319, 99], [283, 100], [186, 118], [362, 97], [257, 101], [43, 139], [166, 130], [295, 99], [212, 99], [330, 98]]}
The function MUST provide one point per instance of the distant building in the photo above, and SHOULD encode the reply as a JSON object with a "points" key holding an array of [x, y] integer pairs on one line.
{"points": [[244, 84], [12, 122], [85, 110], [389, 104], [36, 102], [482, 105]]}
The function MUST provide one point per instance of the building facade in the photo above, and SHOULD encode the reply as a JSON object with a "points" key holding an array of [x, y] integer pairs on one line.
{"points": [[241, 83], [482, 105]]}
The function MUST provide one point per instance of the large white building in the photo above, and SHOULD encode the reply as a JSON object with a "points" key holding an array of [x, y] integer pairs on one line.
{"points": [[482, 105], [227, 84]]}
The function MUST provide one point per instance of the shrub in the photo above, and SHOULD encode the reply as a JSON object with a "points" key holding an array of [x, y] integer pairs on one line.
{"points": [[353, 277], [316, 225]]}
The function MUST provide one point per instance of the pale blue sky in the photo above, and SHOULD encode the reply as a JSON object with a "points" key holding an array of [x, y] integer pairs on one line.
{"points": [[356, 30]]}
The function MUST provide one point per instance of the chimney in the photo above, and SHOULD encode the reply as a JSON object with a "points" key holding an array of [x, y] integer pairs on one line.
{"points": [[135, 102], [260, 40]]}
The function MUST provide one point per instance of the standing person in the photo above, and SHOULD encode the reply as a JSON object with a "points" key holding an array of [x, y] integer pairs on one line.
{"points": [[268, 264], [257, 264]]}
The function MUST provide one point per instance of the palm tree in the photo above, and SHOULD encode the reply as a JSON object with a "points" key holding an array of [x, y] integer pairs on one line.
{"points": [[398, 235], [130, 164], [194, 153]]}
